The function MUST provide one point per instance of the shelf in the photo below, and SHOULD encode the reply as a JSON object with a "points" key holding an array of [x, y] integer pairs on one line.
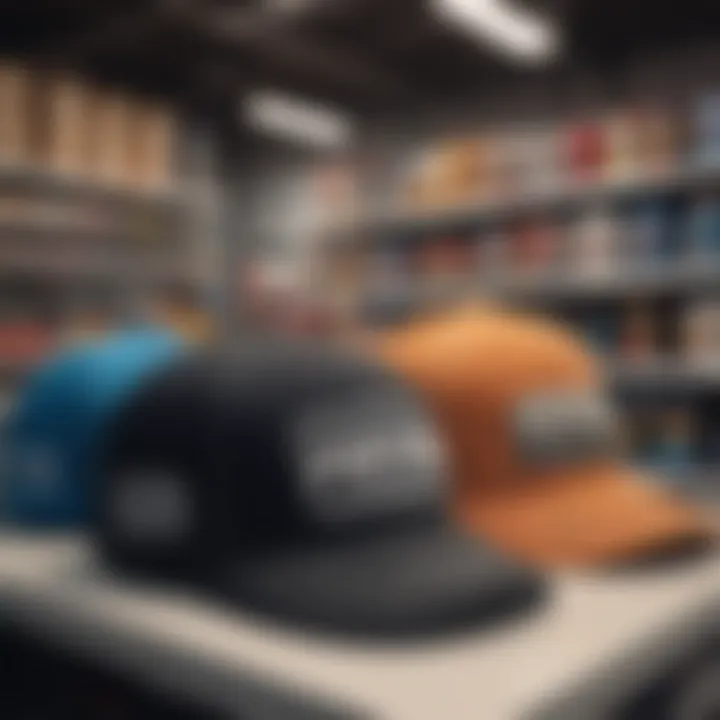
{"points": [[682, 278], [61, 185], [74, 273], [393, 225], [663, 376]]}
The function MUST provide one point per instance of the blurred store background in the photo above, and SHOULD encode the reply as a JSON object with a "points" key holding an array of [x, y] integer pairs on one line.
{"points": [[328, 167], [332, 168]]}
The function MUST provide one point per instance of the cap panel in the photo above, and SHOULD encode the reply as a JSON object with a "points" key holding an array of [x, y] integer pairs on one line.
{"points": [[475, 371], [167, 435], [281, 447]]}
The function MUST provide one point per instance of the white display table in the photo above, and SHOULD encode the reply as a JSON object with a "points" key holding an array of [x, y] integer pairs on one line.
{"points": [[597, 639]]}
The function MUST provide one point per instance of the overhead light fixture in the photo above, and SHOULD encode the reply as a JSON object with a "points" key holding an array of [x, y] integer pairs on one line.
{"points": [[291, 118], [517, 33]]}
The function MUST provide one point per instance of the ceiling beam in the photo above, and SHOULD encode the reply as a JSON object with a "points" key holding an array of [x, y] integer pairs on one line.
{"points": [[275, 37]]}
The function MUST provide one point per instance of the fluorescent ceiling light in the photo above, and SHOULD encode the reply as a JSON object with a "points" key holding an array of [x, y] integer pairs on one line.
{"points": [[519, 34], [291, 118]]}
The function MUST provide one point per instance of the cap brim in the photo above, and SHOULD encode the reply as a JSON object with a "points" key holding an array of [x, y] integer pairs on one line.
{"points": [[409, 582], [598, 517]]}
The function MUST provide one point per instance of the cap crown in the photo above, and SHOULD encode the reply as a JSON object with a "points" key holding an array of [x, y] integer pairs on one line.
{"points": [[480, 372], [240, 451]]}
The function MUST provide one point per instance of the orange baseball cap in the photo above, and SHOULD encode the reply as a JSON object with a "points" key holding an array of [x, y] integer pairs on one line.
{"points": [[533, 441]]}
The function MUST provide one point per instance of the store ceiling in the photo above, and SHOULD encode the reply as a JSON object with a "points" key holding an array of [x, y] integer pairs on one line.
{"points": [[364, 54]]}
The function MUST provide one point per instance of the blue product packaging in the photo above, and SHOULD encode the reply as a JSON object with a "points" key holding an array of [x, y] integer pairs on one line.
{"points": [[704, 229]]}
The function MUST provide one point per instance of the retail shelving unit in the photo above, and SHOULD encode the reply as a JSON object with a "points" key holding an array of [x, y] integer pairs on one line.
{"points": [[687, 275]]}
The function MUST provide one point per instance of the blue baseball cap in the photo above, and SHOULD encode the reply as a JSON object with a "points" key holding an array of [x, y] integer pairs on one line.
{"points": [[53, 437]]}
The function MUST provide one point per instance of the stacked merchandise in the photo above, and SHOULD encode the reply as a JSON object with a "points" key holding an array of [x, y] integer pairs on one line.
{"points": [[473, 170], [86, 181], [58, 123], [604, 242], [644, 149]]}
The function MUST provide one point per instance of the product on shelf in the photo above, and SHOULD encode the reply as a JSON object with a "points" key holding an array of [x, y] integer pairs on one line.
{"points": [[658, 139], [68, 104], [652, 236], [535, 246], [111, 130], [584, 150], [639, 332], [24, 342], [449, 175], [701, 330], [15, 96], [622, 160], [541, 168], [706, 129], [337, 192], [500, 167], [151, 145], [444, 257], [703, 228], [592, 244]]}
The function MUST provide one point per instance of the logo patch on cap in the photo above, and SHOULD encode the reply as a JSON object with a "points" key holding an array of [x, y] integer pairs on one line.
{"points": [[560, 427], [363, 457]]}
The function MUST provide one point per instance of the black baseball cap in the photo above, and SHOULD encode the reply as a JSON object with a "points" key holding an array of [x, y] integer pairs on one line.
{"points": [[303, 482]]}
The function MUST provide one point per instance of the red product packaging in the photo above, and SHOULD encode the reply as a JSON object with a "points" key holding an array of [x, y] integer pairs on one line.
{"points": [[584, 151], [535, 245]]}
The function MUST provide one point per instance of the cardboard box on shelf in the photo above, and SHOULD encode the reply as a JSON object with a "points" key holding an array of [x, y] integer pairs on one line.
{"points": [[15, 95], [447, 175], [110, 137], [69, 118], [152, 144]]}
